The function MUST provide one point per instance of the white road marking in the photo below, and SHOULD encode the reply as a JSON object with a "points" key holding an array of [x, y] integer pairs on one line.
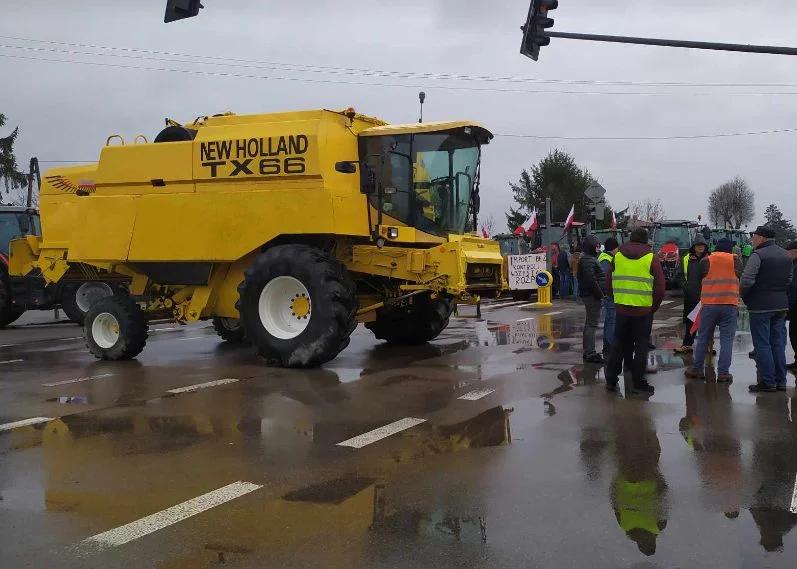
{"points": [[793, 508], [552, 313], [24, 423], [381, 433], [525, 319], [476, 394], [503, 305], [674, 319], [198, 386], [69, 339], [8, 345], [169, 516], [167, 329], [191, 338], [78, 380], [10, 362], [667, 301]]}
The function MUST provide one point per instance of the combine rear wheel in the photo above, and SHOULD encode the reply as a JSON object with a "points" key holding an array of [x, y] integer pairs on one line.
{"points": [[420, 322], [230, 330], [115, 328], [76, 299], [297, 305]]}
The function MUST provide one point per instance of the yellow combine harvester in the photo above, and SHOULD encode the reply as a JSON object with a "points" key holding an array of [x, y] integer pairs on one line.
{"points": [[286, 229]]}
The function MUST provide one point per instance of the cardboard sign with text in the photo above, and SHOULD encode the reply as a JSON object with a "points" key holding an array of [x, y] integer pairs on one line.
{"points": [[523, 270]]}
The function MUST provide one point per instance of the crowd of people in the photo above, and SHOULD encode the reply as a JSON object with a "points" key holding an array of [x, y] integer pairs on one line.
{"points": [[626, 284]]}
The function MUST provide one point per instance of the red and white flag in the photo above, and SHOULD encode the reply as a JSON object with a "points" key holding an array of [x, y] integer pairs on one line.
{"points": [[570, 217], [614, 222], [528, 226], [485, 234], [694, 316]]}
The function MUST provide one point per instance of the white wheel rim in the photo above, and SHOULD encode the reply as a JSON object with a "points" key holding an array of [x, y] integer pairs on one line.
{"points": [[105, 330], [284, 307], [89, 293]]}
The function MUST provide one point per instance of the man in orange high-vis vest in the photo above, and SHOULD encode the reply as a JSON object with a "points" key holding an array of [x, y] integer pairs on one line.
{"points": [[720, 299]]}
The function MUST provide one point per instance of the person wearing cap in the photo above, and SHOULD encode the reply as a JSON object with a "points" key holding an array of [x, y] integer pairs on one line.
{"points": [[719, 273], [764, 288], [689, 279], [610, 248], [636, 282], [592, 291], [792, 249]]}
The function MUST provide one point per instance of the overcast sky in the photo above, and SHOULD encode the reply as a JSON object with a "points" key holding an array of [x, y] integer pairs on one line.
{"points": [[66, 110]]}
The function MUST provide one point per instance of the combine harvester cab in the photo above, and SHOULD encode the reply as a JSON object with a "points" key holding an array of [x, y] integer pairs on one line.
{"points": [[285, 229]]}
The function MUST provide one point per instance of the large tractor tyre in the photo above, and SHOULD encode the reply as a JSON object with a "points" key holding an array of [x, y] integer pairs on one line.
{"points": [[8, 313], [115, 328], [422, 322], [77, 299], [297, 306], [230, 330]]}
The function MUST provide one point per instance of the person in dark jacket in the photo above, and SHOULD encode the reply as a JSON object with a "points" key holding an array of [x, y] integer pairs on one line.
{"points": [[592, 284], [764, 288], [563, 265], [792, 249], [609, 314], [690, 280], [636, 282]]}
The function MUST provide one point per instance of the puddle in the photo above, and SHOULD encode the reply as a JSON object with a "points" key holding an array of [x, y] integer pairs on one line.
{"points": [[69, 400]]}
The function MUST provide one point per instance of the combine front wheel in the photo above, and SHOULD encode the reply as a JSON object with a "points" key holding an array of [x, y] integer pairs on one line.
{"points": [[115, 328], [297, 306]]}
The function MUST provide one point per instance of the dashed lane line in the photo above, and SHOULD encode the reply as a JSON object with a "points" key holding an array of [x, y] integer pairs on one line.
{"points": [[381, 433], [503, 305], [10, 362], [793, 507], [70, 339], [476, 394], [552, 313], [78, 380], [198, 386], [24, 423], [525, 319], [169, 516], [666, 302]]}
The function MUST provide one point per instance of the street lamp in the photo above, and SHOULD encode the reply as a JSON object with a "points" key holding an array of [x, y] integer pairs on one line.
{"points": [[421, 98]]}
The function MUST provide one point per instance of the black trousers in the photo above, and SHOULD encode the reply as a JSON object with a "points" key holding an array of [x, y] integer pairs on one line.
{"points": [[689, 339], [631, 335]]}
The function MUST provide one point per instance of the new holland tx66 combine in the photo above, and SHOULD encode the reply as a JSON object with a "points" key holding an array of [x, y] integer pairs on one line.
{"points": [[285, 229]]}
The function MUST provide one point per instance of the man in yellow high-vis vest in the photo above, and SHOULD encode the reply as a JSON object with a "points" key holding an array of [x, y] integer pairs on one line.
{"points": [[636, 282]]}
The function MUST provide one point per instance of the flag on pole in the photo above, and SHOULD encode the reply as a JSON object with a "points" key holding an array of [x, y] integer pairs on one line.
{"points": [[527, 226], [570, 218], [485, 234], [614, 222]]}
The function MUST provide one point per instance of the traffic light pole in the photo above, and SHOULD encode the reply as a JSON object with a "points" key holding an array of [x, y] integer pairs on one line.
{"points": [[775, 50]]}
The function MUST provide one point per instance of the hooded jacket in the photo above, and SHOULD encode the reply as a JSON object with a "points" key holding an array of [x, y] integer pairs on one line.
{"points": [[690, 281], [634, 250], [591, 278]]}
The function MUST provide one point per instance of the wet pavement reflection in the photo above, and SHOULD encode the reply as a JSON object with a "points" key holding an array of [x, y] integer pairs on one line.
{"points": [[519, 457]]}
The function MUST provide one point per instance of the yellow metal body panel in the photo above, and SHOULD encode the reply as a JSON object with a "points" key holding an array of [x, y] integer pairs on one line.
{"points": [[240, 183]]}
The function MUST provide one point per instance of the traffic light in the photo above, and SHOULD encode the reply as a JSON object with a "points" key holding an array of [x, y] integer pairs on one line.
{"points": [[536, 23], [180, 9]]}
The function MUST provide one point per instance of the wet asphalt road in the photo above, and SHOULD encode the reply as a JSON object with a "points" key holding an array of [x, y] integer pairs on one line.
{"points": [[495, 446]]}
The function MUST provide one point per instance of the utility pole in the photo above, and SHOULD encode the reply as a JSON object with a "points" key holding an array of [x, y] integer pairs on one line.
{"points": [[33, 171]]}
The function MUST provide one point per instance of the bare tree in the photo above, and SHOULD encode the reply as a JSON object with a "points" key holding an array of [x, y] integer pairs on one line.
{"points": [[731, 204], [647, 209]]}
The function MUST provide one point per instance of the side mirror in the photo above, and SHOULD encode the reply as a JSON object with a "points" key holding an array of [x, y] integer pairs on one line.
{"points": [[24, 223], [346, 167]]}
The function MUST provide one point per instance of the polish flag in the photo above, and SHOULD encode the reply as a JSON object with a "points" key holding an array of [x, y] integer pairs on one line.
{"points": [[614, 222], [527, 226], [485, 234], [570, 218], [694, 316]]}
